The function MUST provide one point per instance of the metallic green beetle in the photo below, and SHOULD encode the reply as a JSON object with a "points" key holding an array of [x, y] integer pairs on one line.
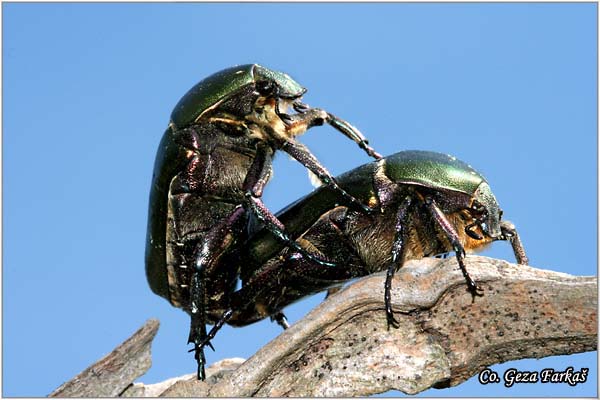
{"points": [[211, 167], [430, 204]]}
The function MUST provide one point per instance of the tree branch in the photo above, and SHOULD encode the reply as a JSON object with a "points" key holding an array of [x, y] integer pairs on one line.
{"points": [[343, 347], [111, 375]]}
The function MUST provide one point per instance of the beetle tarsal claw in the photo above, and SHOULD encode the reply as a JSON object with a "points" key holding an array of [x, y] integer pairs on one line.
{"points": [[391, 321], [474, 289]]}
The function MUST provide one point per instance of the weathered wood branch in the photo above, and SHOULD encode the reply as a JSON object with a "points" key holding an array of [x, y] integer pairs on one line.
{"points": [[112, 374], [343, 347]]}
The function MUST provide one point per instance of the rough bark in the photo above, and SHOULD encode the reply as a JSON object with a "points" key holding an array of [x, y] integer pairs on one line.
{"points": [[112, 374], [343, 347]]}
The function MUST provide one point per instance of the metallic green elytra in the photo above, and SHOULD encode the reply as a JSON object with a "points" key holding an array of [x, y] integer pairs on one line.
{"points": [[436, 170], [212, 90]]}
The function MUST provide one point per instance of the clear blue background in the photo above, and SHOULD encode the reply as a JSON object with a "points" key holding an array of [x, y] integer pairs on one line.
{"points": [[88, 90]]}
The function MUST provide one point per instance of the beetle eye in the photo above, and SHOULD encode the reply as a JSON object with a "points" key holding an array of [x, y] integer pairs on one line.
{"points": [[264, 87], [477, 209]]}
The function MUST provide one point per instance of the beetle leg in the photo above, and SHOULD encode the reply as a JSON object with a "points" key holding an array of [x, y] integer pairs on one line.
{"points": [[309, 117], [216, 327], [452, 235], [301, 153], [259, 172], [280, 319], [509, 232], [198, 322], [398, 255], [276, 228], [205, 254], [352, 133], [256, 179]]}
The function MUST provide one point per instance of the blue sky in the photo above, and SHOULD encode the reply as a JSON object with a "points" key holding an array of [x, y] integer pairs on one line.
{"points": [[88, 90]]}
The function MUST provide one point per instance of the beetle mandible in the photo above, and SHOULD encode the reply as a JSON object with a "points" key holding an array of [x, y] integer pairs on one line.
{"points": [[211, 167], [430, 203]]}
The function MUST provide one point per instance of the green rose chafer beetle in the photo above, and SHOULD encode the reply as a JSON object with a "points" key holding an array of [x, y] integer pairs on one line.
{"points": [[430, 204], [211, 167]]}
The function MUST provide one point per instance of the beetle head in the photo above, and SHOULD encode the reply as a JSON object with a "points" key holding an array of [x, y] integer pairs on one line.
{"points": [[276, 83], [486, 212]]}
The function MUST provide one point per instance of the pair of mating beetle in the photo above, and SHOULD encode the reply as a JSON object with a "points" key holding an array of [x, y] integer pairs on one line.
{"points": [[209, 229]]}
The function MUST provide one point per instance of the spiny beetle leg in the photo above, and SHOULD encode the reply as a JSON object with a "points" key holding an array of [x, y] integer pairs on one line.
{"points": [[207, 251], [276, 228], [452, 235], [398, 256], [301, 153], [198, 322], [213, 332]]}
